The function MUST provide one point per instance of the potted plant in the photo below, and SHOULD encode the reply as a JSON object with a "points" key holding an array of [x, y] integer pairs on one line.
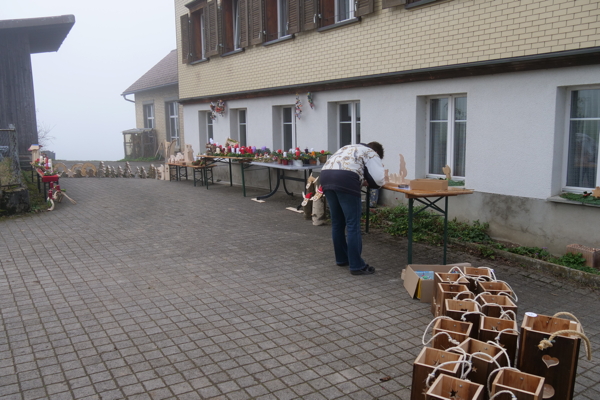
{"points": [[323, 156]]}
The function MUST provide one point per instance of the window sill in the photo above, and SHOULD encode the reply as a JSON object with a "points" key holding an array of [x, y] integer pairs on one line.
{"points": [[419, 3], [558, 199], [281, 39], [202, 60], [339, 24], [232, 53]]}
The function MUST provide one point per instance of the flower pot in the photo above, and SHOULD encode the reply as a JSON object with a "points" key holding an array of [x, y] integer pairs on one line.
{"points": [[322, 159], [284, 162], [279, 161], [312, 162], [298, 163]]}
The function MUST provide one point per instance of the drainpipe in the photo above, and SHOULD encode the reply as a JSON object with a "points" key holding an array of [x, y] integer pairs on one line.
{"points": [[125, 97]]}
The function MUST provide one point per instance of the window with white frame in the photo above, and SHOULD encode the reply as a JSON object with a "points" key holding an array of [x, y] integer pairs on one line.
{"points": [[447, 137], [242, 127], [173, 122], [209, 127], [349, 123], [582, 140], [288, 128], [148, 115]]}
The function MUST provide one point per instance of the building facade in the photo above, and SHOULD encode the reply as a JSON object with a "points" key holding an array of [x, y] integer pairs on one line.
{"points": [[157, 109], [505, 92]]}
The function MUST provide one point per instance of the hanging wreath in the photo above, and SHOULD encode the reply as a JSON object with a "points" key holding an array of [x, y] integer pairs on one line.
{"points": [[213, 113], [215, 109], [298, 110], [220, 109], [310, 100]]}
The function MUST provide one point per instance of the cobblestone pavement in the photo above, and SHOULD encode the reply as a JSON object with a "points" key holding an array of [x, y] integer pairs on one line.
{"points": [[149, 289]]}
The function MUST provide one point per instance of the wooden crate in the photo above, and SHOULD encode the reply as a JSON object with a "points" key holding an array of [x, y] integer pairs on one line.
{"points": [[459, 331], [557, 364], [441, 277], [455, 309], [428, 184], [447, 291], [489, 308], [493, 287], [523, 386], [489, 328], [449, 388], [425, 363], [477, 272], [482, 365]]}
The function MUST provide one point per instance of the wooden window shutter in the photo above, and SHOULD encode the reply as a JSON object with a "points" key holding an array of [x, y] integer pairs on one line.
{"points": [[392, 3], [212, 29], [185, 38], [309, 14], [293, 17], [256, 22], [243, 8], [364, 7]]}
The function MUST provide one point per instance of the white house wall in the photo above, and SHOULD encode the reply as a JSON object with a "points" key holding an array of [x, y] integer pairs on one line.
{"points": [[511, 125], [516, 127]]}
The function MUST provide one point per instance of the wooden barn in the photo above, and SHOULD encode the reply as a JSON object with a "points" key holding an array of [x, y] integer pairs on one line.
{"points": [[19, 38]]}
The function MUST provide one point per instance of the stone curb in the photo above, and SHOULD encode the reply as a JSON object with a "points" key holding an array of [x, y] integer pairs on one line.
{"points": [[581, 277]]}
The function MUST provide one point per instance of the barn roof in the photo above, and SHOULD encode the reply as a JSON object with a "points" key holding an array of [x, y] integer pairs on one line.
{"points": [[45, 34]]}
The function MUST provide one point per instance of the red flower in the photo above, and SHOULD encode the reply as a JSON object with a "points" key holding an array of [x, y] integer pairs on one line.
{"points": [[279, 151], [322, 151]]}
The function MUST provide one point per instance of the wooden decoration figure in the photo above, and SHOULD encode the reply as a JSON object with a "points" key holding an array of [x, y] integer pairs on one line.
{"points": [[403, 171], [446, 170], [596, 192], [318, 200]]}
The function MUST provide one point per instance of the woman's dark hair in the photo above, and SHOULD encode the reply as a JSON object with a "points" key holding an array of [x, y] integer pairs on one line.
{"points": [[377, 147]]}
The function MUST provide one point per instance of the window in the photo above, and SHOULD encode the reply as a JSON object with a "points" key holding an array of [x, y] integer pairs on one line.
{"points": [[582, 147], [349, 123], [336, 11], [235, 23], [199, 31], [198, 39], [447, 134], [173, 122], [242, 129], [209, 128], [288, 131], [148, 115], [282, 18]]}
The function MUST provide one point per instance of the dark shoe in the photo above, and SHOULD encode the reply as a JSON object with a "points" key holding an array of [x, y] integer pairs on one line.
{"points": [[365, 271], [343, 264]]}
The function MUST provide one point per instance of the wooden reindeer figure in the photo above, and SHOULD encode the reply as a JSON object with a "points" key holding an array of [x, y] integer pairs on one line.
{"points": [[307, 195], [318, 201]]}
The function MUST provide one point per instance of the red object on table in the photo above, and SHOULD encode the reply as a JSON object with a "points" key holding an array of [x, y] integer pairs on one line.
{"points": [[49, 178]]}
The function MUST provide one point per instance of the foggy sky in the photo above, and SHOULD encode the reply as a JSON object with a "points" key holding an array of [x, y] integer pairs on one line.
{"points": [[78, 88]]}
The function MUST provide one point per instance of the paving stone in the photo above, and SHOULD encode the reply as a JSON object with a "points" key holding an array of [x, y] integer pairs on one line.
{"points": [[148, 289]]}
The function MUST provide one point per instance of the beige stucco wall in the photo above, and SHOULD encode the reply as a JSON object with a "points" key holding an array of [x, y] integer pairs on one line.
{"points": [[396, 39], [159, 97]]}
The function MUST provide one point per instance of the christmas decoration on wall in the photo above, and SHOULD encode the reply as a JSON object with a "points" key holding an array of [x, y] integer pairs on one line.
{"points": [[298, 110], [213, 113], [310, 100], [218, 108]]}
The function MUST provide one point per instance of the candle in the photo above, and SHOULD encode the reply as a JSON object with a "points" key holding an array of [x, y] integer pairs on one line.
{"points": [[284, 154]]}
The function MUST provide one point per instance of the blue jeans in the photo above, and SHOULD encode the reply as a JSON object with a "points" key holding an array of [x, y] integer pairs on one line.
{"points": [[345, 210]]}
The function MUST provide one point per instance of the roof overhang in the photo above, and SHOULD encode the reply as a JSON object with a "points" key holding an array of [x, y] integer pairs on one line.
{"points": [[45, 34], [570, 58]]}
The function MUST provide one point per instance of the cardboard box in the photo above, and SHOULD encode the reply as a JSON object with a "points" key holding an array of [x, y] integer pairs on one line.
{"points": [[419, 288], [429, 184]]}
